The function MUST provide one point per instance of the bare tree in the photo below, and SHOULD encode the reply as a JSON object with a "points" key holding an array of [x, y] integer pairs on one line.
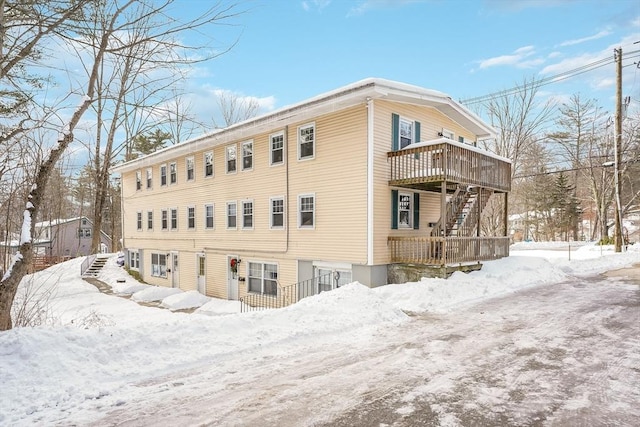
{"points": [[235, 108]]}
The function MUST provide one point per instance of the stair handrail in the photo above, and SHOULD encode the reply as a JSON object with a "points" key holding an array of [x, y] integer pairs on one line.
{"points": [[87, 263]]}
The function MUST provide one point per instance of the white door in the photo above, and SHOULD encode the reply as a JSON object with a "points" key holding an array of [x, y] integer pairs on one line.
{"points": [[233, 267], [175, 273], [201, 274], [332, 278]]}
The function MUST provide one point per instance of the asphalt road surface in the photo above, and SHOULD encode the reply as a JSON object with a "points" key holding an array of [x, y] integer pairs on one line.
{"points": [[557, 355]]}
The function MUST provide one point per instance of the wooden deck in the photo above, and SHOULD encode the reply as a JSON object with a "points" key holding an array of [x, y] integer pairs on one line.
{"points": [[430, 250]]}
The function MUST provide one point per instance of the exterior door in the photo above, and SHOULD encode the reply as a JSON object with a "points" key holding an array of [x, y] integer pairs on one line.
{"points": [[175, 272], [332, 278], [232, 277], [201, 274]]}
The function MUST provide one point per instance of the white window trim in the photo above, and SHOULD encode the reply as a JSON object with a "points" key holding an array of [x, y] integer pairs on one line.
{"points": [[249, 142], [138, 180], [149, 182], [193, 168], [166, 175], [449, 134], [150, 228], [204, 165], [164, 213], [160, 272], [213, 216], [284, 213], [226, 159], [171, 211], [413, 131], [253, 211], [194, 218], [284, 145], [299, 143], [263, 263], [139, 221], [306, 227], [226, 214], [169, 173], [410, 225], [135, 252]]}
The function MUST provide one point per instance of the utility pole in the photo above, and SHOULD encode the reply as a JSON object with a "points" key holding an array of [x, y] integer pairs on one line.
{"points": [[617, 149]]}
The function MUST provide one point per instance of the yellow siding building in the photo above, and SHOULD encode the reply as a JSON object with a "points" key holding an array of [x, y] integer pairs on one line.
{"points": [[306, 191]]}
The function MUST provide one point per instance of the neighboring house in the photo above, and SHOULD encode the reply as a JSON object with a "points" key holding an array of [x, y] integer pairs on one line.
{"points": [[345, 186], [68, 237], [57, 240]]}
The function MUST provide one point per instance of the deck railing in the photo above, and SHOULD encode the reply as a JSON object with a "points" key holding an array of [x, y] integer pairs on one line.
{"points": [[285, 295], [449, 161], [430, 250]]}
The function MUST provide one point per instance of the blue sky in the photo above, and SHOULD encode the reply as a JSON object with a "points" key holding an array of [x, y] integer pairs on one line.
{"points": [[291, 50]]}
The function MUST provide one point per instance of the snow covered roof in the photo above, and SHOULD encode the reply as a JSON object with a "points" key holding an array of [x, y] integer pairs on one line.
{"points": [[59, 221], [457, 144], [335, 100]]}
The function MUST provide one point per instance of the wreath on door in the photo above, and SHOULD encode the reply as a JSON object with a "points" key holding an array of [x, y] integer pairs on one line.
{"points": [[234, 265]]}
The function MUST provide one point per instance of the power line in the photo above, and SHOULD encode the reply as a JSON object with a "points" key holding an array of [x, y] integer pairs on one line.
{"points": [[551, 79]]}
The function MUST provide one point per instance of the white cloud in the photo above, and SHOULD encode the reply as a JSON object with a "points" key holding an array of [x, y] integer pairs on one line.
{"points": [[517, 59], [308, 5], [573, 42]]}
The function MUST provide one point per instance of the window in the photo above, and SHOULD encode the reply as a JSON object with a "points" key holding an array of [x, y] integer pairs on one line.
{"points": [[306, 141], [173, 173], [208, 216], [231, 159], [174, 219], [163, 175], [446, 133], [191, 217], [134, 260], [247, 214], [306, 205], [149, 220], [231, 214], [84, 221], [263, 278], [190, 169], [84, 233], [138, 180], [208, 164], [164, 219], [149, 178], [159, 265], [406, 132], [404, 210], [277, 212], [139, 220], [277, 148], [247, 155]]}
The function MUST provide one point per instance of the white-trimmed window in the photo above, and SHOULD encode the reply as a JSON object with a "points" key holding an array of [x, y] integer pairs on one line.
{"points": [[191, 172], [277, 148], [306, 211], [173, 173], [84, 233], [163, 175], [158, 265], [263, 278], [174, 218], [276, 205], [406, 132], [208, 216], [208, 164], [232, 215], [449, 134], [149, 178], [138, 180], [405, 210], [306, 141], [247, 214], [149, 220], [247, 155], [231, 156], [191, 217], [139, 221], [134, 260], [164, 219]]}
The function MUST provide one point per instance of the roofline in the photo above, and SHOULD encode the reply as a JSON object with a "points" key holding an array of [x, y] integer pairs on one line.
{"points": [[343, 97]]}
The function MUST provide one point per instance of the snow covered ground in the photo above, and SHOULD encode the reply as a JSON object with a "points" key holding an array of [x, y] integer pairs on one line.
{"points": [[103, 359]]}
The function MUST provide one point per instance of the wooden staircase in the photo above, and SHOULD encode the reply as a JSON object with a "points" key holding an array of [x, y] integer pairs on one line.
{"points": [[462, 212]]}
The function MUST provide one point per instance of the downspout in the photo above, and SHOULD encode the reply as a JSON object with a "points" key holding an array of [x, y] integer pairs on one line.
{"points": [[370, 145]]}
